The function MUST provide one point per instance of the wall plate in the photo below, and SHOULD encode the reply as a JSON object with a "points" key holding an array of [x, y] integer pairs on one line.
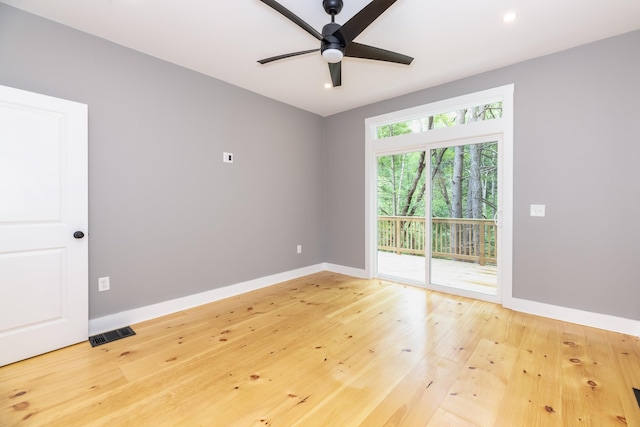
{"points": [[537, 210]]}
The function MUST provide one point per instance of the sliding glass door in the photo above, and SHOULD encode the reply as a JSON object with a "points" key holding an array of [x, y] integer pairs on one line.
{"points": [[439, 182], [401, 216], [464, 209], [455, 245]]}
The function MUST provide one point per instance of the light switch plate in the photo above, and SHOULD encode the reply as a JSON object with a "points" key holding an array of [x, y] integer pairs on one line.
{"points": [[227, 157], [537, 210]]}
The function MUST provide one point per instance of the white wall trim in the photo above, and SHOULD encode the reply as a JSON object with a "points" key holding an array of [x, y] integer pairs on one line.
{"points": [[119, 320], [349, 271], [580, 317], [136, 315]]}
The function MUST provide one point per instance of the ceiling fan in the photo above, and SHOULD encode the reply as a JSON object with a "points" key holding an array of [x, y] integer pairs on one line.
{"points": [[336, 41]]}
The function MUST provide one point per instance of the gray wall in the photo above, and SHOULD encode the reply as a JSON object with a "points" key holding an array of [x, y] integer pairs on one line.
{"points": [[576, 149], [167, 218]]}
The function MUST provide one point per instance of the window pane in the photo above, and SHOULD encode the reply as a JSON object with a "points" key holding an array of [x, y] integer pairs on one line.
{"points": [[442, 120]]}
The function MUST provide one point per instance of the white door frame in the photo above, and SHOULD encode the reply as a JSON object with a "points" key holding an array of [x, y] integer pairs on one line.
{"points": [[438, 137]]}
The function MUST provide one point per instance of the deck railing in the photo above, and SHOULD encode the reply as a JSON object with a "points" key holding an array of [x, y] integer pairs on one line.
{"points": [[451, 238]]}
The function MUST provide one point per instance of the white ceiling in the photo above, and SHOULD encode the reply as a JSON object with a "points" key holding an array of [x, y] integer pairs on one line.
{"points": [[449, 39]]}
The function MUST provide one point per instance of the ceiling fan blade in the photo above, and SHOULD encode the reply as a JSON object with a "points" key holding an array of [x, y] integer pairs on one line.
{"points": [[335, 69], [286, 55], [363, 19], [357, 50], [293, 17]]}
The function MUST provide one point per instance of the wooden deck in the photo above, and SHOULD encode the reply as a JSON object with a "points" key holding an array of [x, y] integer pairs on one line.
{"points": [[331, 350], [458, 274]]}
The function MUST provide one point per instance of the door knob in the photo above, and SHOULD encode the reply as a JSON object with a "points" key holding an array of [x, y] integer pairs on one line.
{"points": [[78, 234]]}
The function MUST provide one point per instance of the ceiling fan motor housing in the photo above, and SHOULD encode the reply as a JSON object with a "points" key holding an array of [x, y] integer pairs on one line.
{"points": [[331, 41]]}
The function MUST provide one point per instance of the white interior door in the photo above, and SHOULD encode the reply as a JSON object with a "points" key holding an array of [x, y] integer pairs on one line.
{"points": [[43, 202]]}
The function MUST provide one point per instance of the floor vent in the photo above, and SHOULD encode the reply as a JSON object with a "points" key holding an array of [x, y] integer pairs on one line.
{"points": [[111, 336], [637, 393]]}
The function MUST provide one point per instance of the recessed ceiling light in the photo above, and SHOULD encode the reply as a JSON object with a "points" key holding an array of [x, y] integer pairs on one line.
{"points": [[509, 17], [327, 85]]}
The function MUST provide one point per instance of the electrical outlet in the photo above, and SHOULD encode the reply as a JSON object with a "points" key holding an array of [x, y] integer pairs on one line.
{"points": [[103, 284], [227, 157], [299, 249]]}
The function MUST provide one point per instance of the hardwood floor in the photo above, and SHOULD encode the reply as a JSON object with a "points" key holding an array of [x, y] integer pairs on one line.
{"points": [[330, 350]]}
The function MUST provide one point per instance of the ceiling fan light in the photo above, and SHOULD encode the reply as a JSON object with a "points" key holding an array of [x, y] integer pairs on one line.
{"points": [[332, 55]]}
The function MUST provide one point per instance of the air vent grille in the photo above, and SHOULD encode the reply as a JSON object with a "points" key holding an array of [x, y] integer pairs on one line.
{"points": [[111, 336]]}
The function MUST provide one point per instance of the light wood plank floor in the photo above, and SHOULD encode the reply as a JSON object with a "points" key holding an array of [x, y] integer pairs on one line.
{"points": [[330, 350]]}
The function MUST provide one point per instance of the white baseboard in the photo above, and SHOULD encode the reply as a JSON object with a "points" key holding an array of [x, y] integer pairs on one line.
{"points": [[572, 315], [349, 271], [136, 315], [119, 320], [565, 314]]}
